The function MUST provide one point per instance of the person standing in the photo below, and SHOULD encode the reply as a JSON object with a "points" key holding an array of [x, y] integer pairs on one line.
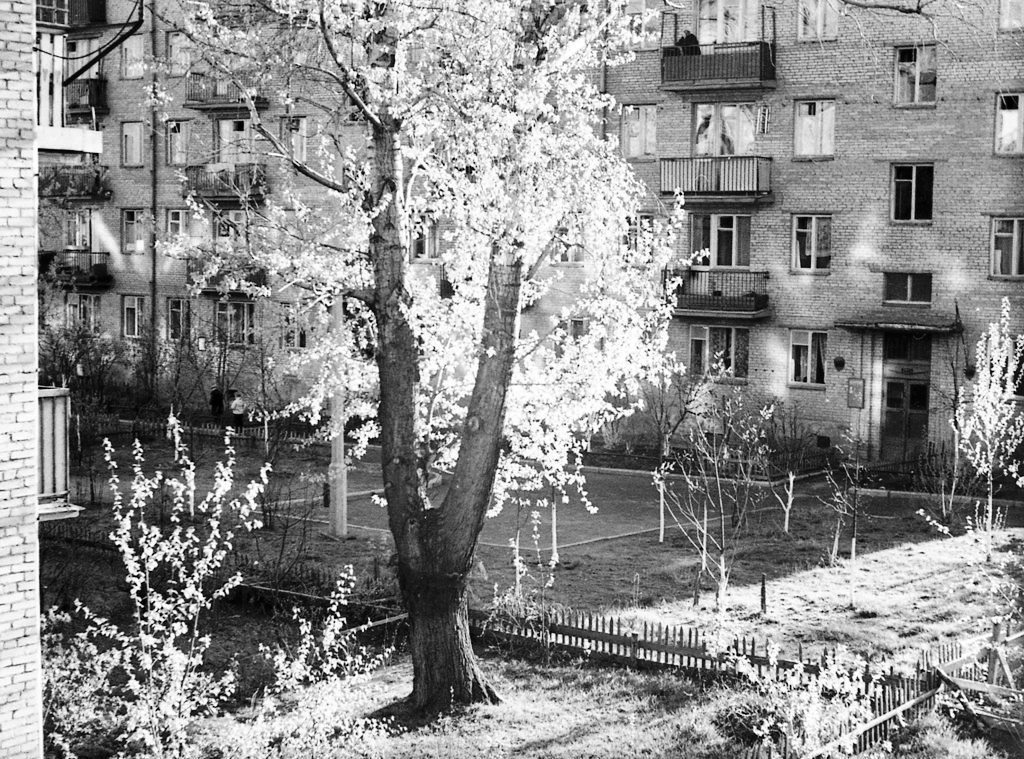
{"points": [[217, 403], [237, 410]]}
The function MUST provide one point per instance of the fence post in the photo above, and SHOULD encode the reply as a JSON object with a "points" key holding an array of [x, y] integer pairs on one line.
{"points": [[993, 658], [764, 594], [633, 647]]}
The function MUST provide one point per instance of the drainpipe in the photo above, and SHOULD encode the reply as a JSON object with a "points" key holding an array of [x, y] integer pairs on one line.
{"points": [[155, 155]]}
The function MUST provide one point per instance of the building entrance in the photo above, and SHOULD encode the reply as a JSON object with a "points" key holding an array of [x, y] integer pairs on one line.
{"points": [[906, 370]]}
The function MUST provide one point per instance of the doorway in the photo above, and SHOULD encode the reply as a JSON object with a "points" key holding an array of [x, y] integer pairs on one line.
{"points": [[906, 371]]}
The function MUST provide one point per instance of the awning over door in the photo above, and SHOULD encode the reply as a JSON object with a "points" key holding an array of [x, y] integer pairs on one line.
{"points": [[903, 319]]}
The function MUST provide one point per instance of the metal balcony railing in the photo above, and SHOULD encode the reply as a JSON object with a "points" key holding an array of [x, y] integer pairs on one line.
{"points": [[86, 12], [53, 12], [241, 180], [716, 289], [85, 95], [232, 281], [717, 175], [77, 181], [73, 266], [730, 63], [208, 91]]}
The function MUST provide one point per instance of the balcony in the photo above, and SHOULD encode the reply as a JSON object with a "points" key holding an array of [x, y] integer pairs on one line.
{"points": [[716, 177], [205, 92], [237, 282], [52, 12], [701, 292], [74, 182], [85, 96], [734, 65], [78, 269], [88, 12], [226, 181]]}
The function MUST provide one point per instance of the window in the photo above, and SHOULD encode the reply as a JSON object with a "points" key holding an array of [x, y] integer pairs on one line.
{"points": [[82, 49], [812, 243], [177, 221], [724, 128], [230, 225], [177, 319], [915, 75], [179, 54], [646, 22], [1011, 14], [719, 348], [728, 21], [912, 192], [815, 127], [819, 20], [293, 331], [639, 130], [177, 143], [1008, 247], [638, 230], [293, 134], [903, 287], [133, 231], [567, 246], [132, 64], [84, 310], [234, 141], [725, 237], [236, 322], [807, 356], [79, 229], [1009, 124], [131, 143], [424, 243], [131, 315]]}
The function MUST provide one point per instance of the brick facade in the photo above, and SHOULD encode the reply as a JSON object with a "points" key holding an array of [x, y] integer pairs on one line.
{"points": [[20, 699]]}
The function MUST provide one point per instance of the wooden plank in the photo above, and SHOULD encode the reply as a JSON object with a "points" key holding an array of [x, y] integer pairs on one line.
{"points": [[980, 687]]}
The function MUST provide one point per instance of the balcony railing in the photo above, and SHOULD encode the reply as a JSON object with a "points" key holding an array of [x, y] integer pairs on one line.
{"points": [[717, 290], [82, 96], [706, 66], [232, 282], [717, 175], [53, 12], [78, 268], [74, 182], [205, 91], [226, 181], [86, 12]]}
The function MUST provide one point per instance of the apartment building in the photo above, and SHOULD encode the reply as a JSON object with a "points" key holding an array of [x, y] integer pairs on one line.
{"points": [[856, 179], [856, 182]]}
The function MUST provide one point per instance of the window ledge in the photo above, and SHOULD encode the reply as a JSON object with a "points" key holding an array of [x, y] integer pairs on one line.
{"points": [[915, 106], [642, 159], [910, 222], [813, 158], [907, 303], [813, 386], [816, 40], [810, 272], [1006, 277], [996, 154], [426, 261], [730, 380]]}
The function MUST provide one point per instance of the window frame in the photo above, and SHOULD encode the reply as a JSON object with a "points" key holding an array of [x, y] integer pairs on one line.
{"points": [[820, 14], [810, 378], [1016, 247], [77, 305], [702, 333], [818, 122], [1011, 22], [184, 129], [893, 182], [748, 12], [647, 129], [296, 138], [131, 326], [718, 118], [651, 39], [138, 226], [294, 331], [226, 333], [714, 232], [1018, 147], [813, 237], [78, 226], [424, 247], [133, 57], [180, 324], [911, 277], [126, 127], [230, 224], [185, 222], [179, 53], [916, 99]]}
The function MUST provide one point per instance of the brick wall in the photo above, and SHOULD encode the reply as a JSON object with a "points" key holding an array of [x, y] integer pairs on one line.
{"points": [[20, 700]]}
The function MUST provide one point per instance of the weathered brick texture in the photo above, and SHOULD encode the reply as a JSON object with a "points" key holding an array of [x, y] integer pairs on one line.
{"points": [[20, 700]]}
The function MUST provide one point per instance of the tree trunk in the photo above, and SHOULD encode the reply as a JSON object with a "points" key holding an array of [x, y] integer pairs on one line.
{"points": [[435, 544]]}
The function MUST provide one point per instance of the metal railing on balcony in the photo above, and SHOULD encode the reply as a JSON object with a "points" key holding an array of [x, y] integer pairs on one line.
{"points": [[717, 175], [235, 282], [86, 95], [86, 12], [53, 12], [716, 289], [75, 181], [731, 63], [239, 181], [209, 91], [73, 266]]}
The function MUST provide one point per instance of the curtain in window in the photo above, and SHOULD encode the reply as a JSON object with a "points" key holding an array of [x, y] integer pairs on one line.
{"points": [[819, 341], [741, 352], [823, 242]]}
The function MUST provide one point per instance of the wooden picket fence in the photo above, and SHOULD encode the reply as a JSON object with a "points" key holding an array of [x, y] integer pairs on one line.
{"points": [[893, 699]]}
